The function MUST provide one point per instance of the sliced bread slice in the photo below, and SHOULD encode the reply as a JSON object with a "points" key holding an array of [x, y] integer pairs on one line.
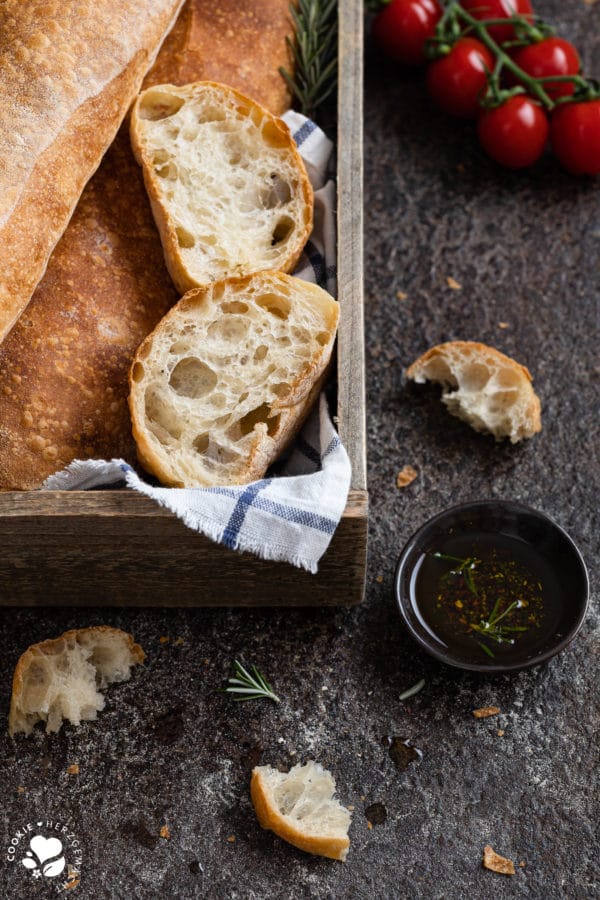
{"points": [[228, 188], [62, 678], [483, 387], [299, 807], [225, 380]]}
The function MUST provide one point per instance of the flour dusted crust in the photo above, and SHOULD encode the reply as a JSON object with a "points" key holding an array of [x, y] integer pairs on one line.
{"points": [[299, 807], [483, 387], [62, 678], [64, 365], [226, 379], [228, 188], [68, 71]]}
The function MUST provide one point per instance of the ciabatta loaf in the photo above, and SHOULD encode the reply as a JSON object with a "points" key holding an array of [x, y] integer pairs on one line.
{"points": [[483, 387], [63, 678], [64, 366], [228, 188], [68, 73], [227, 377]]}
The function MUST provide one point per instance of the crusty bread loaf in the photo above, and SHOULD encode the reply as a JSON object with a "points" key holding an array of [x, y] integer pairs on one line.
{"points": [[62, 678], [68, 73], [228, 188], [64, 366], [299, 807], [483, 387], [227, 377]]}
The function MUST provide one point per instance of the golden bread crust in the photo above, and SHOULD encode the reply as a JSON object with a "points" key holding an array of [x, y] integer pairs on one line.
{"points": [[68, 77], [270, 818]]}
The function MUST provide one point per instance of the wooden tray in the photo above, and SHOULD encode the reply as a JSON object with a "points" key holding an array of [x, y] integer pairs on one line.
{"points": [[117, 548]]}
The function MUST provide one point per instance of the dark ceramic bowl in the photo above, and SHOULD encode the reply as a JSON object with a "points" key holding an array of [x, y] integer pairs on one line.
{"points": [[551, 545]]}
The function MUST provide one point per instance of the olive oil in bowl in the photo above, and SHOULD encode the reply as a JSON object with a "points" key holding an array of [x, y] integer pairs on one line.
{"points": [[492, 586]]}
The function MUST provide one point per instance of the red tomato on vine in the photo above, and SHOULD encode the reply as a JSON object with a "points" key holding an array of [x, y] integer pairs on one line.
{"points": [[457, 81], [499, 9], [575, 136], [402, 27], [552, 56], [514, 133]]}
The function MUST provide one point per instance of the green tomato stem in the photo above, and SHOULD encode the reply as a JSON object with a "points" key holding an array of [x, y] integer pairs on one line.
{"points": [[480, 28]]}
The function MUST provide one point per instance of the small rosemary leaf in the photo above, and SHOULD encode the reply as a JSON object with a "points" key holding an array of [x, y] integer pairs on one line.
{"points": [[241, 690], [410, 692]]}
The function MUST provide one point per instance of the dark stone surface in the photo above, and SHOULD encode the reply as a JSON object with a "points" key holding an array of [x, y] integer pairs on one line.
{"points": [[169, 749]]}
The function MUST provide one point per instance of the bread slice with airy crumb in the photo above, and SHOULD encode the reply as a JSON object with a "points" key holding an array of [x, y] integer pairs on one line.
{"points": [[483, 387], [299, 807], [228, 188], [226, 379], [62, 678]]}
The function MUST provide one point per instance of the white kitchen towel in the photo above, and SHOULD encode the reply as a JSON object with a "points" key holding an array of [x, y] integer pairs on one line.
{"points": [[293, 515]]}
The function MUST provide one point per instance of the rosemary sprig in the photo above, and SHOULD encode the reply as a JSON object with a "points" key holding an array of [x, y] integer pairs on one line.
{"points": [[248, 686], [466, 569], [490, 629], [314, 52]]}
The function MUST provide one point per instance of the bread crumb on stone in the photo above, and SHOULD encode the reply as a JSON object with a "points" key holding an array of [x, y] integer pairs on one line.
{"points": [[231, 839], [484, 712], [405, 476], [379, 579], [496, 863], [73, 769], [400, 295], [164, 640], [485, 388], [165, 832], [453, 283]]}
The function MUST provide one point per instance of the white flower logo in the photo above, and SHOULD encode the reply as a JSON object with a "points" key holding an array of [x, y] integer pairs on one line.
{"points": [[45, 857]]}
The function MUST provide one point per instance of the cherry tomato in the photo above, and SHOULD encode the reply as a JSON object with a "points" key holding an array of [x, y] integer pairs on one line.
{"points": [[457, 81], [514, 133], [498, 9], [403, 26], [552, 56], [575, 136]]}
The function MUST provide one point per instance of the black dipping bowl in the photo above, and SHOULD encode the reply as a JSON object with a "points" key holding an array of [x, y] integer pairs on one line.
{"points": [[498, 517]]}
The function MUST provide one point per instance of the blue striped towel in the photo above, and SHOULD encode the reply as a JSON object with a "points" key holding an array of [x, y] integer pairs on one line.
{"points": [[290, 517]]}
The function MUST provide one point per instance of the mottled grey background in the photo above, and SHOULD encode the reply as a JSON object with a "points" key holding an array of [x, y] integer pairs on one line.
{"points": [[170, 750]]}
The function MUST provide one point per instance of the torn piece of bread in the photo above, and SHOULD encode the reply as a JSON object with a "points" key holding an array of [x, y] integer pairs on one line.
{"points": [[483, 387], [62, 678], [228, 188], [226, 379], [300, 808]]}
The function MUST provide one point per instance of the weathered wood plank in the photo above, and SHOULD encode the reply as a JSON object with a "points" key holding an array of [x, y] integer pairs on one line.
{"points": [[115, 548], [351, 358]]}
